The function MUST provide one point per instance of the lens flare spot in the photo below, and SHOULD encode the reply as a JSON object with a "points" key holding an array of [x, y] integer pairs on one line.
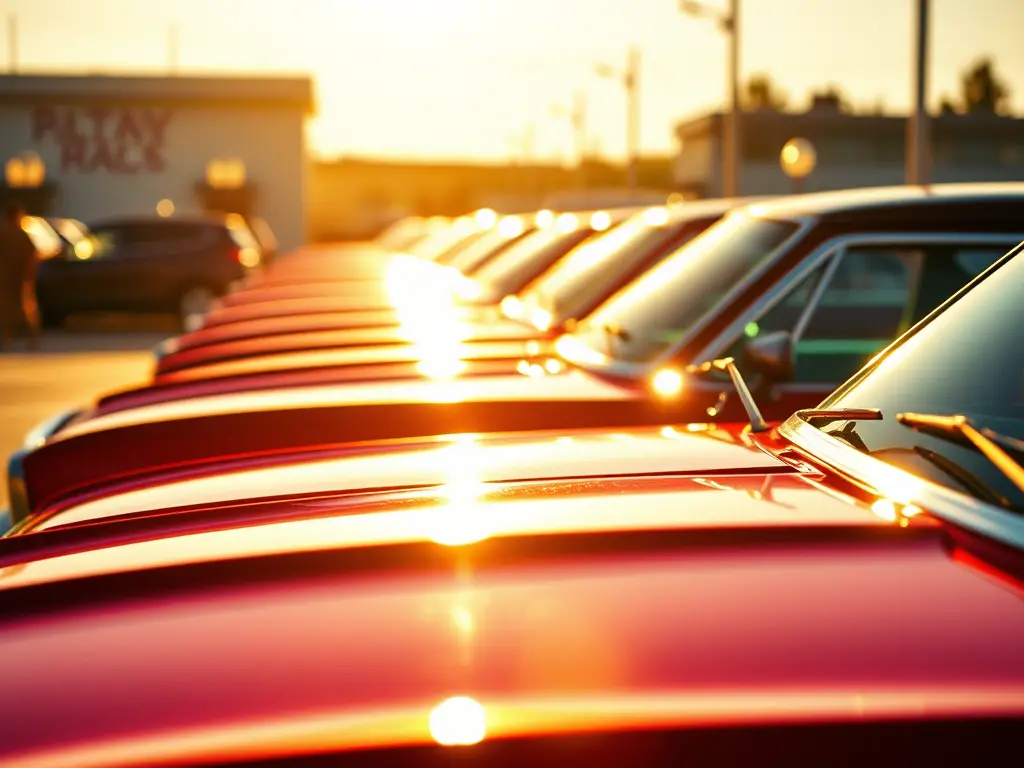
{"points": [[459, 720]]}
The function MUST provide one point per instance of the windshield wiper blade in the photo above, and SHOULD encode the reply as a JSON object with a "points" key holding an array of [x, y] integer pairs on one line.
{"points": [[989, 443], [840, 414], [728, 364], [967, 479]]}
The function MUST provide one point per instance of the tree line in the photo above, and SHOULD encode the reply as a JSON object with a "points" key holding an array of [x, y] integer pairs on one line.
{"points": [[982, 90]]}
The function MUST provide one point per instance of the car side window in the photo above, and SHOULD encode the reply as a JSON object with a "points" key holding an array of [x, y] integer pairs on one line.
{"points": [[869, 300]]}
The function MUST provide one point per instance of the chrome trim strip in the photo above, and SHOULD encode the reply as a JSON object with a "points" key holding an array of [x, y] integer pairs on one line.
{"points": [[718, 346], [904, 487], [35, 438]]}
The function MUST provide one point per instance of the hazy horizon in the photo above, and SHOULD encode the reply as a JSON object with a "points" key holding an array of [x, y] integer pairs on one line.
{"points": [[457, 79]]}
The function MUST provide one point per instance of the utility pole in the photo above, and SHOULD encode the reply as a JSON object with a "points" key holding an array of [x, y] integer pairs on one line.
{"points": [[630, 77], [12, 43], [172, 49], [918, 128], [731, 134], [577, 115]]}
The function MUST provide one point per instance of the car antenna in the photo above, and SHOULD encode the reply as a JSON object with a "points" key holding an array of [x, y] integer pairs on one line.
{"points": [[728, 364]]}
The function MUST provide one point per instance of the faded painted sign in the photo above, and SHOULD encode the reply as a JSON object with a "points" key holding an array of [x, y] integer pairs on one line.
{"points": [[121, 140]]}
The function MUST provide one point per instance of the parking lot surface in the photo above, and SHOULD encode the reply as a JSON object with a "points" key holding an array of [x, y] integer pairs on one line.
{"points": [[70, 368]]}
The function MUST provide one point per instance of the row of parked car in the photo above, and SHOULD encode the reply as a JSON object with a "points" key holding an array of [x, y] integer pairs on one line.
{"points": [[144, 264], [717, 482]]}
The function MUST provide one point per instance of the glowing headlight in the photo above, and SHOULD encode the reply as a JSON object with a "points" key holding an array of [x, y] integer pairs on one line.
{"points": [[667, 382], [469, 289], [541, 319], [512, 307]]}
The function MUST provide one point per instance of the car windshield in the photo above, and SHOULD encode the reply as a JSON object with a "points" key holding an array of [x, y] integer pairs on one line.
{"points": [[520, 263], [494, 241], [654, 313], [445, 243], [401, 234], [581, 279], [966, 360]]}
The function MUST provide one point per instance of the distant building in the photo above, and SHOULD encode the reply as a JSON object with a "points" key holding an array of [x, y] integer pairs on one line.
{"points": [[114, 145], [356, 197], [853, 150]]}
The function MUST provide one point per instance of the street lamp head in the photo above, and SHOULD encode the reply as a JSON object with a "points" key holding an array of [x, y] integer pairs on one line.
{"points": [[798, 158]]}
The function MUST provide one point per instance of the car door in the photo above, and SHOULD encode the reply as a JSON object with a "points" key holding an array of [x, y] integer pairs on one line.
{"points": [[161, 258], [855, 300]]}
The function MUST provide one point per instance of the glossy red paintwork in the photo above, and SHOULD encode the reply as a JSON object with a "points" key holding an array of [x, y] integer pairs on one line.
{"points": [[368, 292], [652, 599], [252, 375], [275, 324], [491, 458], [331, 261], [353, 357], [307, 305], [333, 338]]}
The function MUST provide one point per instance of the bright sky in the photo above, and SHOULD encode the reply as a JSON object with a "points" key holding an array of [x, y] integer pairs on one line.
{"points": [[459, 78]]}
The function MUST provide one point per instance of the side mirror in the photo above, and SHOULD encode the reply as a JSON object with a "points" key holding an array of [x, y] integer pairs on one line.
{"points": [[771, 356]]}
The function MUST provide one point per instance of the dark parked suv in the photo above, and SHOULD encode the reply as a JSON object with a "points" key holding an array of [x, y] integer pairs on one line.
{"points": [[148, 264]]}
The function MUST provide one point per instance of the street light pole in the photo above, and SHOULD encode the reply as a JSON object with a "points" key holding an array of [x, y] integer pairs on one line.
{"points": [[918, 129], [731, 169], [731, 130], [631, 79], [577, 115]]}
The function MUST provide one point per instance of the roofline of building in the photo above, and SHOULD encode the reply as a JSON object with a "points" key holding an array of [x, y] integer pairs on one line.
{"points": [[830, 120], [291, 92]]}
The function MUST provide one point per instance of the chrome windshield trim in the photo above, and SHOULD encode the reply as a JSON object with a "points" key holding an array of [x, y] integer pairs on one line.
{"points": [[718, 346], [906, 488], [633, 370]]}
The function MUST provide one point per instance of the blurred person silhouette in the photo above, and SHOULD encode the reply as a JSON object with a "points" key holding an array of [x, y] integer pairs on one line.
{"points": [[19, 313]]}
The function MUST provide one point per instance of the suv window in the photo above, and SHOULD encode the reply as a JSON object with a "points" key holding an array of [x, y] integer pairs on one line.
{"points": [[873, 295]]}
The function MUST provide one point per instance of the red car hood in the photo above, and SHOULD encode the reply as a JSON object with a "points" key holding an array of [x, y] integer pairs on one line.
{"points": [[330, 264], [685, 601], [309, 369], [273, 325], [422, 357], [405, 340], [427, 461], [319, 305], [371, 292], [94, 451]]}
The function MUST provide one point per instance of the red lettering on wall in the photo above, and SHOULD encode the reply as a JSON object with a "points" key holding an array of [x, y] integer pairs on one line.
{"points": [[44, 122], [127, 128], [104, 139], [72, 154]]}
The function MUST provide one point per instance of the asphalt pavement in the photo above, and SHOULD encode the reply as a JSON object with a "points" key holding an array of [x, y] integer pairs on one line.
{"points": [[72, 367]]}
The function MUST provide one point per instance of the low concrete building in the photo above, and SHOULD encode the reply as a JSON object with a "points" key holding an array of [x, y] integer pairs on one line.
{"points": [[853, 150], [110, 145]]}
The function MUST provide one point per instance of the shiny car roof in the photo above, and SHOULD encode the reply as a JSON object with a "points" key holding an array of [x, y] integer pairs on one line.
{"points": [[873, 200]]}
